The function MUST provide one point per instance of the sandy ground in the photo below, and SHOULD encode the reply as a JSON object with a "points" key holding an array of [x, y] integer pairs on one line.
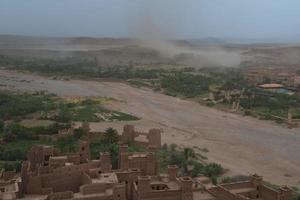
{"points": [[242, 144]]}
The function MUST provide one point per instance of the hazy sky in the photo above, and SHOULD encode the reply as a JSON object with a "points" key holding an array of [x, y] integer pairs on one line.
{"points": [[172, 18]]}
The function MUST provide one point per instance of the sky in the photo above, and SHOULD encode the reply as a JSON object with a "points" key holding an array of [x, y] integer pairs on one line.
{"points": [[176, 19]]}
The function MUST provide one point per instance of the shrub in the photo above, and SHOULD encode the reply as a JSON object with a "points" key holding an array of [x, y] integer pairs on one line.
{"points": [[1, 125], [78, 133], [213, 169]]}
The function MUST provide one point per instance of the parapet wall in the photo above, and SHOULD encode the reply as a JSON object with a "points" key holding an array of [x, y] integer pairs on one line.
{"points": [[238, 185]]}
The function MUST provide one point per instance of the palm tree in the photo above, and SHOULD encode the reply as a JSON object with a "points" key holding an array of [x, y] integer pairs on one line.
{"points": [[111, 136], [188, 153]]}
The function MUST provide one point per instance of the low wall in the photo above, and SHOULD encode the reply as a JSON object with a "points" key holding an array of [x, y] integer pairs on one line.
{"points": [[60, 195], [93, 188], [237, 185]]}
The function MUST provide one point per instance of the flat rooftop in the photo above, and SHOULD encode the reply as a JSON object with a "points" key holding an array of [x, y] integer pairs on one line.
{"points": [[203, 195], [106, 178]]}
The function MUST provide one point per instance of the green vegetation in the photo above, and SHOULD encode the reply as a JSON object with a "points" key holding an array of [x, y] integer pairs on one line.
{"points": [[174, 81], [186, 85], [188, 162], [296, 197], [265, 105], [16, 106], [109, 143], [10, 166], [17, 150], [16, 139], [49, 107]]}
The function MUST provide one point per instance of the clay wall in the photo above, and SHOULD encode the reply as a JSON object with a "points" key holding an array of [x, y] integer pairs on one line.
{"points": [[34, 185], [7, 175], [119, 192], [93, 188], [268, 193], [237, 185], [94, 197], [154, 137], [138, 162], [129, 177], [163, 195], [74, 158], [60, 195], [140, 144], [85, 179], [68, 181], [223, 194], [56, 162], [82, 167], [105, 162], [43, 170]]}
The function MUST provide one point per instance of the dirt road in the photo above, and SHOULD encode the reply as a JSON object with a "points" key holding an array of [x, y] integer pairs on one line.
{"points": [[242, 144]]}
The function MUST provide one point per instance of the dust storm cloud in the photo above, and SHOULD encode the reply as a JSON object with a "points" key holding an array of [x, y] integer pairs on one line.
{"points": [[152, 34]]}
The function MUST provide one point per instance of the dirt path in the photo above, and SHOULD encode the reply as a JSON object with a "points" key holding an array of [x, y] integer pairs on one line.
{"points": [[242, 144]]}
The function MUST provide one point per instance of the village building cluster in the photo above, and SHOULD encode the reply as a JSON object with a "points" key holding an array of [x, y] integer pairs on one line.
{"points": [[52, 175], [287, 76]]}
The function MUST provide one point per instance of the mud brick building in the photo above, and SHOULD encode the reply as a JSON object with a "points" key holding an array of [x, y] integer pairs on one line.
{"points": [[49, 174]]}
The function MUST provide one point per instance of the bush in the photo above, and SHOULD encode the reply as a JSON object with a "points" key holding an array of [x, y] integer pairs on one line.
{"points": [[1, 125], [12, 154], [213, 169], [11, 166], [15, 105], [64, 115], [99, 145], [78, 133], [111, 136], [15, 131], [67, 144]]}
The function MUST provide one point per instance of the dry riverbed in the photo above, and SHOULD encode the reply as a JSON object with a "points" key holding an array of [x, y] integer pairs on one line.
{"points": [[242, 144]]}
